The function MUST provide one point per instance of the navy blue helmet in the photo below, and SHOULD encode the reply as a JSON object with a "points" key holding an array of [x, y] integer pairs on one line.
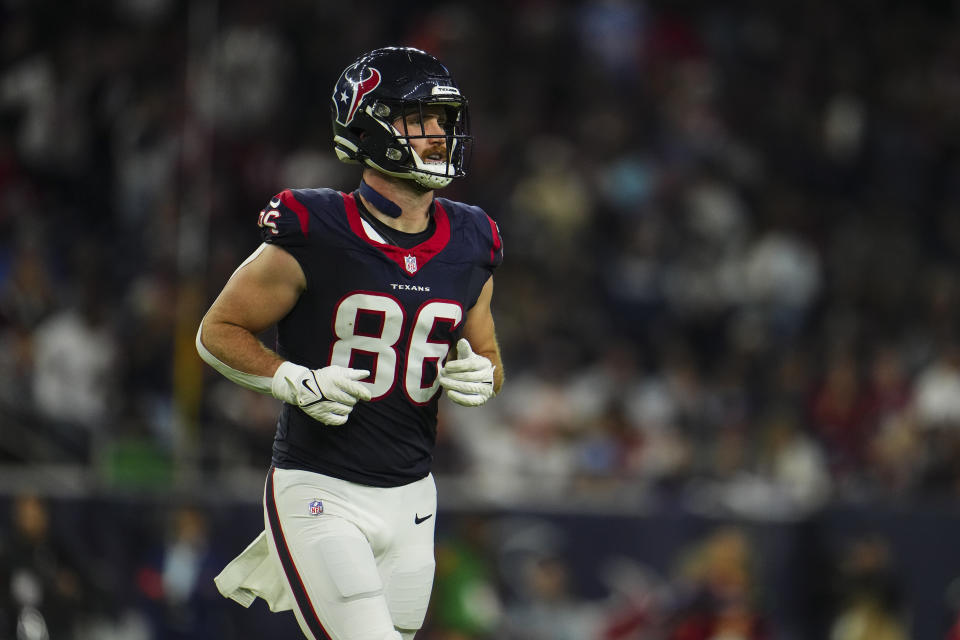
{"points": [[389, 84]]}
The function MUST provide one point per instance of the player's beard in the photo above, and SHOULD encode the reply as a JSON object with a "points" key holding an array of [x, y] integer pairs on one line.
{"points": [[441, 165], [439, 149]]}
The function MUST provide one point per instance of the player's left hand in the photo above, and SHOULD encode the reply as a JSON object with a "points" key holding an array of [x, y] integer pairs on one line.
{"points": [[468, 379]]}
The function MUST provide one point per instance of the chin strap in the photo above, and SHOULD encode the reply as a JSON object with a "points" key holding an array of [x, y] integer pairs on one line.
{"points": [[381, 202]]}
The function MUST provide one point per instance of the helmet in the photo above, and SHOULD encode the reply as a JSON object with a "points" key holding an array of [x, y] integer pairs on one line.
{"points": [[390, 83]]}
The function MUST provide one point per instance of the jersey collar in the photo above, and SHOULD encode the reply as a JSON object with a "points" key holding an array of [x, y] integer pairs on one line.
{"points": [[409, 260]]}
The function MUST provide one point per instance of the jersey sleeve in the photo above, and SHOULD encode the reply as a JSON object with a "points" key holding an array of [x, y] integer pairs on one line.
{"points": [[495, 243], [487, 238], [285, 221]]}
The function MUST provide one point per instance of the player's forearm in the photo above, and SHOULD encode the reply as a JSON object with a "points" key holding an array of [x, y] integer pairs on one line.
{"points": [[237, 348]]}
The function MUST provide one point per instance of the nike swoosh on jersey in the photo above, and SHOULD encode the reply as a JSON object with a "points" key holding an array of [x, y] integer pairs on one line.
{"points": [[417, 519], [274, 203]]}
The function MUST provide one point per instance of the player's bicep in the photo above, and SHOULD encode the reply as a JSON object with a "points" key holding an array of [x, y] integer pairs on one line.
{"points": [[480, 331], [260, 292]]}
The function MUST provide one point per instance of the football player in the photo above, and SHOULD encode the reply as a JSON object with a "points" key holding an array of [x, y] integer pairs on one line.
{"points": [[381, 298]]}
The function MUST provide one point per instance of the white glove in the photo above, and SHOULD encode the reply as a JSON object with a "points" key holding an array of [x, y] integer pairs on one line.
{"points": [[468, 379], [326, 395]]}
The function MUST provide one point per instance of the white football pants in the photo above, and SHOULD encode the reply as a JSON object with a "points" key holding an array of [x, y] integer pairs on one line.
{"points": [[358, 559]]}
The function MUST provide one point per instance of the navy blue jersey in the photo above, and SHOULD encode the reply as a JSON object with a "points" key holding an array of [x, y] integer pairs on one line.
{"points": [[394, 312]]}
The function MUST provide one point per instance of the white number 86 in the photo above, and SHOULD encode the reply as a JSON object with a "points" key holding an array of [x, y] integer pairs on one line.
{"points": [[390, 317]]}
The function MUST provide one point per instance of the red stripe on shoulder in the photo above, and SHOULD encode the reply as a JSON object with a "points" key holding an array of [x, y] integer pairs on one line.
{"points": [[353, 214], [495, 232], [291, 202]]}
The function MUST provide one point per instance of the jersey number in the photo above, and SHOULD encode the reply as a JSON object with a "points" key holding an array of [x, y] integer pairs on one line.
{"points": [[381, 344]]}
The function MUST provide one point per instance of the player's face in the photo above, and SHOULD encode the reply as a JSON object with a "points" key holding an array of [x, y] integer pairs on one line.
{"points": [[432, 148]]}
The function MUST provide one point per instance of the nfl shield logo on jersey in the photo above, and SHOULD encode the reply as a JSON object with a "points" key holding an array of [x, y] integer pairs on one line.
{"points": [[410, 263], [316, 507]]}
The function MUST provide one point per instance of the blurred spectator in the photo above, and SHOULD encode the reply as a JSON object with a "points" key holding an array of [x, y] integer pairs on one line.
{"points": [[242, 78], [30, 87], [889, 382], [75, 355], [612, 32], [938, 391], [44, 590], [870, 606], [637, 604], [608, 454], [549, 608], [28, 293], [545, 605], [554, 200], [176, 579], [938, 416], [782, 280], [840, 415], [466, 603], [524, 438], [793, 464], [718, 591], [896, 455], [787, 478]]}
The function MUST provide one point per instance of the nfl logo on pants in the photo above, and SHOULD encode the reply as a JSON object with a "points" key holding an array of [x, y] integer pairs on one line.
{"points": [[316, 508]]}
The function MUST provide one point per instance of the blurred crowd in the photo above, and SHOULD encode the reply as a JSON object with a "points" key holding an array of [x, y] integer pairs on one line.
{"points": [[732, 232], [732, 239], [95, 569]]}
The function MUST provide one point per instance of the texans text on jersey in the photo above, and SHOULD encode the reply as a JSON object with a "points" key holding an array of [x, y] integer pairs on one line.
{"points": [[399, 286]]}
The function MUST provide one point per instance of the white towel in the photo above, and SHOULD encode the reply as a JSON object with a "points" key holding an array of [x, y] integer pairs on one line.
{"points": [[254, 574]]}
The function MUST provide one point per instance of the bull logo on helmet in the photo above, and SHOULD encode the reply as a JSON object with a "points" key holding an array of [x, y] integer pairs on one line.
{"points": [[349, 93]]}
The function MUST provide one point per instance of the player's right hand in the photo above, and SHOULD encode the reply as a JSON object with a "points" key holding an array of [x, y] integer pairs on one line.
{"points": [[327, 395], [468, 379]]}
